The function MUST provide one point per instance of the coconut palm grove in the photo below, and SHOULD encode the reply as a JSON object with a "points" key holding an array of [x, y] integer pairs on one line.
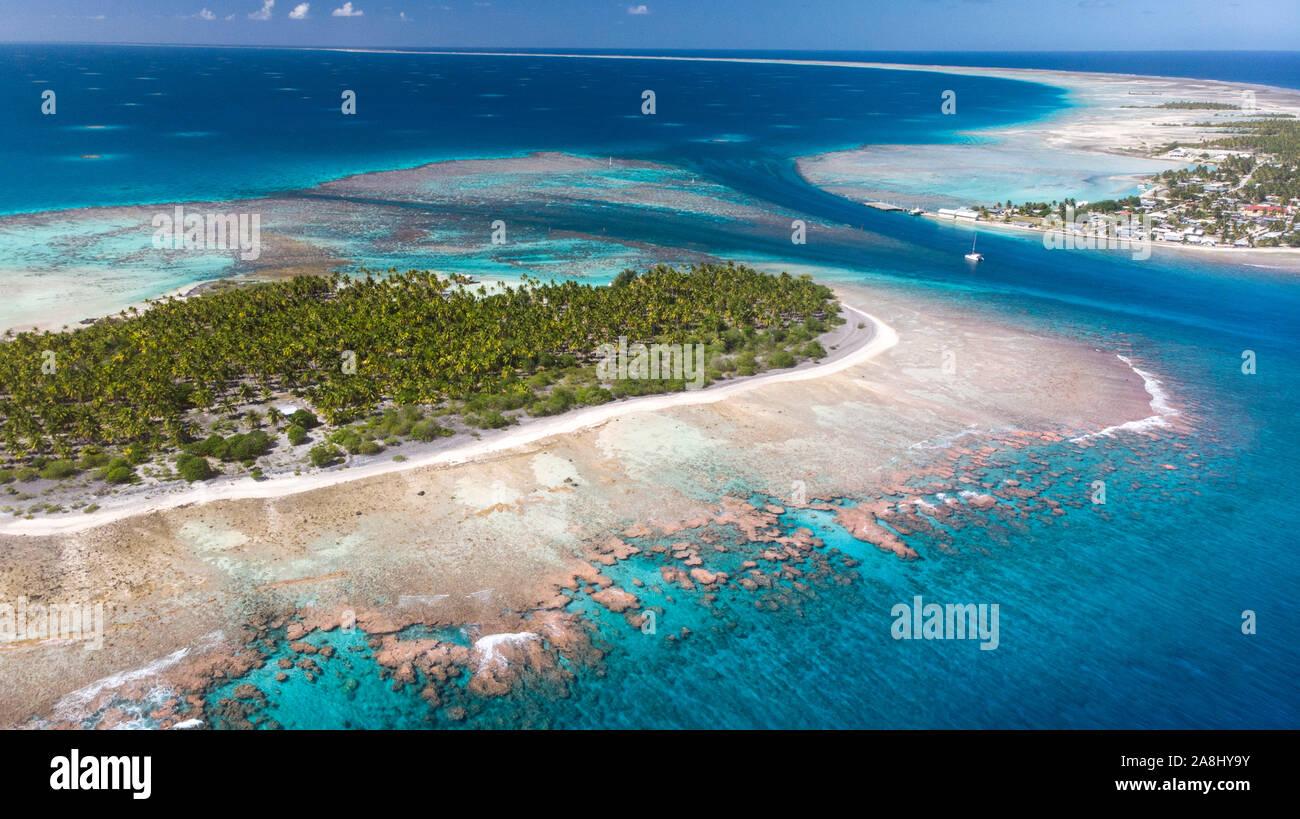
{"points": [[382, 349]]}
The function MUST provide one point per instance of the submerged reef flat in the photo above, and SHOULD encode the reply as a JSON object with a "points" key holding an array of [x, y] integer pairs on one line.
{"points": [[498, 220]]}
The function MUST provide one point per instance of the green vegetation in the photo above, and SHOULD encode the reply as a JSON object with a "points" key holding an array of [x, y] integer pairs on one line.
{"points": [[429, 430], [1279, 137], [746, 363], [193, 467], [323, 455], [238, 447], [119, 474], [489, 419], [197, 378], [304, 418], [1194, 106], [58, 470], [117, 471], [814, 350], [354, 442], [782, 359]]}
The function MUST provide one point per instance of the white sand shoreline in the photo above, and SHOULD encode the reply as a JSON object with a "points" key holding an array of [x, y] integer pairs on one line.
{"points": [[992, 71], [881, 338]]}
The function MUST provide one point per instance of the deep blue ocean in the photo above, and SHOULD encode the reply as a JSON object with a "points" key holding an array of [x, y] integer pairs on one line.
{"points": [[178, 124], [1125, 620]]}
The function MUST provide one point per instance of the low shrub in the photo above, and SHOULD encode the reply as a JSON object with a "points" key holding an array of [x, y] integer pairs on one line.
{"points": [[193, 467], [247, 446], [119, 474], [781, 359], [304, 419], [58, 470], [323, 455], [429, 430], [489, 419]]}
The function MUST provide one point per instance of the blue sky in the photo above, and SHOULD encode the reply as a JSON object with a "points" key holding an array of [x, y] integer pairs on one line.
{"points": [[858, 25]]}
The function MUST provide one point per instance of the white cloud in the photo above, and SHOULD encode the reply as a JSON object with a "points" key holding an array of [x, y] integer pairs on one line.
{"points": [[206, 15], [265, 13], [641, 9], [346, 10], [299, 11]]}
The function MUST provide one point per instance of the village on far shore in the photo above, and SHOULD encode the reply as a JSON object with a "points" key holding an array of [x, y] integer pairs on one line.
{"points": [[1244, 192]]}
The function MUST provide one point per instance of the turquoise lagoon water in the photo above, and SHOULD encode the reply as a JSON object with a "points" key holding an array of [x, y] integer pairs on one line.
{"points": [[1122, 616]]}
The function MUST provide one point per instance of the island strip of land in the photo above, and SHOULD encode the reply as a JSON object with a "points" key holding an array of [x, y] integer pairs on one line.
{"points": [[856, 341]]}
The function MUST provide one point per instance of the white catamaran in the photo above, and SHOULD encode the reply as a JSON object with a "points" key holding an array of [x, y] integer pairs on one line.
{"points": [[973, 256]]}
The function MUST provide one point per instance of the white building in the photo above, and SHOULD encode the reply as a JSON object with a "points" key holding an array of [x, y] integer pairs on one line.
{"points": [[958, 213]]}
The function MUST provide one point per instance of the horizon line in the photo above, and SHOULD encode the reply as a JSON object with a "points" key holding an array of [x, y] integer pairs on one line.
{"points": [[438, 48]]}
